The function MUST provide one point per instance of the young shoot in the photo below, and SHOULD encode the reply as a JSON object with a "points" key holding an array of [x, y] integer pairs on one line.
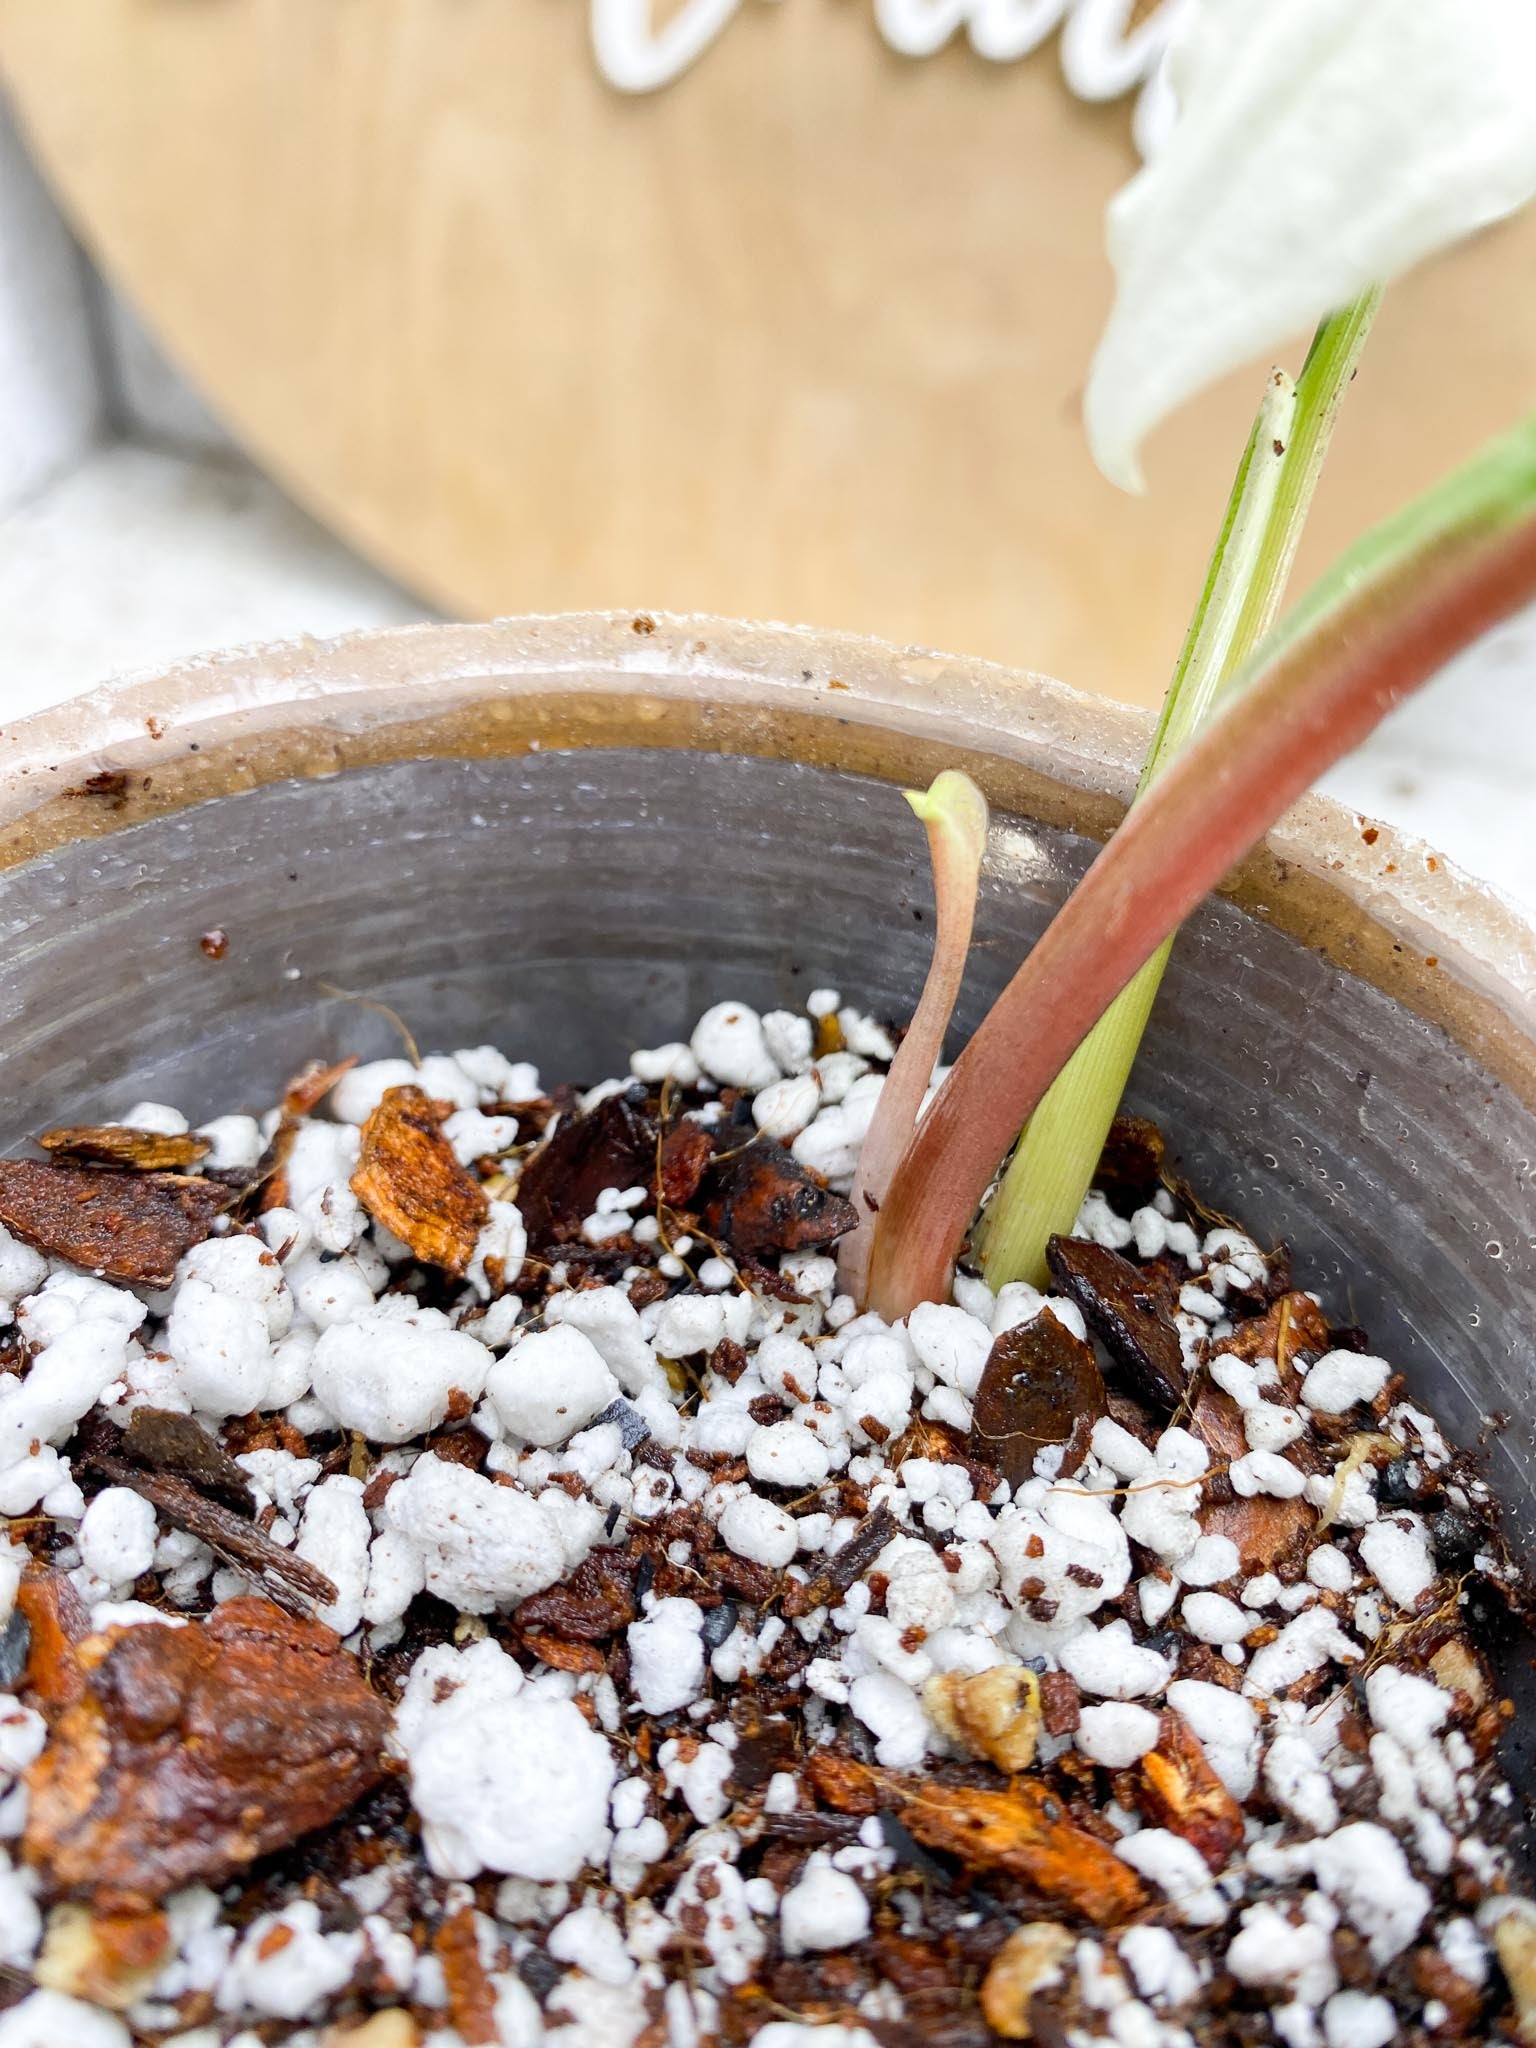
{"points": [[1417, 590], [954, 811]]}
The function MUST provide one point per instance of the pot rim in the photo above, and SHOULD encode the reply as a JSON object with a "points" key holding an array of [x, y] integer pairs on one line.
{"points": [[1373, 899]]}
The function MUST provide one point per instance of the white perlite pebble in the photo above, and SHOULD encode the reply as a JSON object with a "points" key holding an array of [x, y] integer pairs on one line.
{"points": [[1306, 1642], [1364, 1870], [47, 2019], [285, 1967], [894, 1715], [1070, 1528], [783, 1793], [1114, 1445], [694, 1323], [21, 1920], [23, 1732], [1357, 2019], [1266, 1472], [334, 1536], [118, 1535], [1296, 1779], [666, 1656], [671, 1062], [1329, 1568], [503, 1777], [591, 1941], [1226, 1727], [393, 1376], [1107, 1661], [728, 1044], [1157, 1597], [357, 1094], [953, 1345], [1269, 1427], [1213, 1618], [1395, 1551], [62, 1384], [235, 1143], [787, 1454], [222, 1348], [790, 1039], [756, 1529], [1160, 1509], [159, 1117], [22, 1270], [1159, 1965], [1116, 1735], [1179, 1871], [550, 1385], [825, 1909], [785, 1107], [1271, 1949], [609, 1318], [13, 1563], [1340, 1379], [1412, 1709], [1212, 1562], [484, 1545]]}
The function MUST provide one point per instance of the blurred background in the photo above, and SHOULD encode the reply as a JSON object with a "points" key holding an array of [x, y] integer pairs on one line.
{"points": [[318, 315]]}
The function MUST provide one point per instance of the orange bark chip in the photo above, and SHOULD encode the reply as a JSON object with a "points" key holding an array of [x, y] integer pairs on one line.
{"points": [[192, 1751], [120, 1145], [128, 1226], [409, 1179], [1180, 1791], [1024, 1830]]}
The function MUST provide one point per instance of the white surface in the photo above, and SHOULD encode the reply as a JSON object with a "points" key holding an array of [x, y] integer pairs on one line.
{"points": [[137, 558], [1457, 765], [50, 404]]}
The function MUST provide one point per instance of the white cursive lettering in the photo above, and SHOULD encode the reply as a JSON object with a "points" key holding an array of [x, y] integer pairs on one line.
{"points": [[635, 56], [1103, 56]]}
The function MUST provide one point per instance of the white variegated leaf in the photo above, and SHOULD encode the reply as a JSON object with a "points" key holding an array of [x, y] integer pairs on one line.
{"points": [[1322, 146]]}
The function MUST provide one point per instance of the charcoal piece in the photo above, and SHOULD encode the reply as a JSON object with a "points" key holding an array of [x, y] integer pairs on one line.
{"points": [[1121, 1310], [15, 1642], [877, 1529], [633, 1427], [717, 1625]]}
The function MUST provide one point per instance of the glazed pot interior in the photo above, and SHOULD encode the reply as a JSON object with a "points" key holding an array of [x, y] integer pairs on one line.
{"points": [[570, 903]]}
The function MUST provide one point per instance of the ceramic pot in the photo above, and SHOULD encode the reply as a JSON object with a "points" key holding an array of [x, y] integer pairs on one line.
{"points": [[570, 835]]}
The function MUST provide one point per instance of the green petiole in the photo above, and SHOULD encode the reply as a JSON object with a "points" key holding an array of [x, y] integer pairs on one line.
{"points": [[1054, 1161]]}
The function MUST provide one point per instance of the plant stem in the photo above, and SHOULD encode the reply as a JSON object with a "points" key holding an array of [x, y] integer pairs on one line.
{"points": [[1055, 1159], [1399, 604]]}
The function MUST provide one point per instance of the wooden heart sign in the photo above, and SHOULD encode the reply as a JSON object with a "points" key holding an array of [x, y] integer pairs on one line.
{"points": [[772, 307]]}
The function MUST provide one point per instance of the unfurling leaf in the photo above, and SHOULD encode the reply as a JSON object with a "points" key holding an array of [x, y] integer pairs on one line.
{"points": [[1322, 146]]}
